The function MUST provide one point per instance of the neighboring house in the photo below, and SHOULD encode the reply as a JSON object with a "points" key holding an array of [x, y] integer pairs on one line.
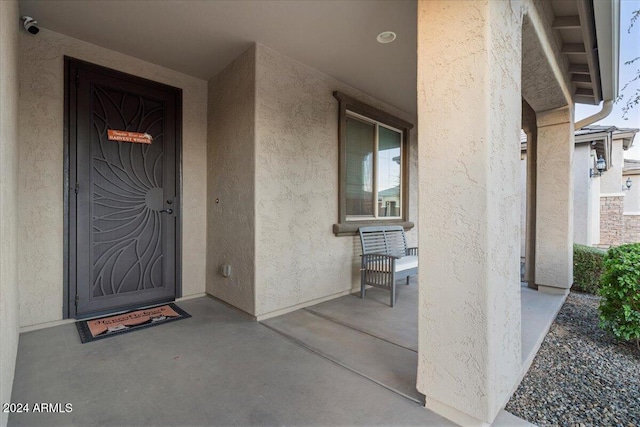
{"points": [[631, 170], [631, 211], [612, 215], [275, 128], [389, 201]]}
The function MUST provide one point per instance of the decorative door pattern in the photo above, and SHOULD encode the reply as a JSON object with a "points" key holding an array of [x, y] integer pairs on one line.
{"points": [[126, 202], [127, 199]]}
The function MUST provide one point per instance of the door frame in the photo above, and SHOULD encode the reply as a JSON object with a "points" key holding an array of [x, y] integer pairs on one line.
{"points": [[70, 132]]}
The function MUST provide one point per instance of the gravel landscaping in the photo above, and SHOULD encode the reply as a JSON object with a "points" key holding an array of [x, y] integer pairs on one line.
{"points": [[581, 375]]}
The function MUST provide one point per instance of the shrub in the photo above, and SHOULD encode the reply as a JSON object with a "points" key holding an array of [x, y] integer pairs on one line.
{"points": [[587, 267], [620, 290]]}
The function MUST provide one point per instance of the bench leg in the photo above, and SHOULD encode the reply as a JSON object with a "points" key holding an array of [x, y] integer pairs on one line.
{"points": [[408, 280], [362, 290], [392, 302]]}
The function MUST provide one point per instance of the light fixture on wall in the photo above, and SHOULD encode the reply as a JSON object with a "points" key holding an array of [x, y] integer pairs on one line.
{"points": [[627, 185], [601, 164]]}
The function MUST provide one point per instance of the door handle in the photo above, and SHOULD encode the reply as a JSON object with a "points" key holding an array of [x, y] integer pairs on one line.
{"points": [[169, 211]]}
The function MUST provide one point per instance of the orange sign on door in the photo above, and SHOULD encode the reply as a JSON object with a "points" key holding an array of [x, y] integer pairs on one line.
{"points": [[126, 136]]}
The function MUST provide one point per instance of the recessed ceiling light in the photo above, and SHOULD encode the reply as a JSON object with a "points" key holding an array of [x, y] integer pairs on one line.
{"points": [[386, 37]]}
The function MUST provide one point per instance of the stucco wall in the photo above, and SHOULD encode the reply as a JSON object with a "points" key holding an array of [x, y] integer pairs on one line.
{"points": [[581, 194], [469, 342], [41, 167], [231, 166], [523, 205], [273, 167], [594, 205], [632, 196], [545, 84], [611, 180], [9, 319], [585, 205], [554, 200], [298, 258]]}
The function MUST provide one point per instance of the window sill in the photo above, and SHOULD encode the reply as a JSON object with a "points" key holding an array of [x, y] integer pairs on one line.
{"points": [[351, 228]]}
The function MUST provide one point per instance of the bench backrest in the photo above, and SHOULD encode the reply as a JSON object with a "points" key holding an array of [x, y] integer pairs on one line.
{"points": [[388, 240]]}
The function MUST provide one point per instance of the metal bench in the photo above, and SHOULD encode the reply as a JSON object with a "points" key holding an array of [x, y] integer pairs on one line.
{"points": [[385, 258]]}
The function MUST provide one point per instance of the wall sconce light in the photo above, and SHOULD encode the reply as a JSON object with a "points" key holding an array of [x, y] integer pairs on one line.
{"points": [[601, 164], [627, 185]]}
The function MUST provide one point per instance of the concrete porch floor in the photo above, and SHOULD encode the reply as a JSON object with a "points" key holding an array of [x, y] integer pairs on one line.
{"points": [[381, 344], [217, 368], [222, 368]]}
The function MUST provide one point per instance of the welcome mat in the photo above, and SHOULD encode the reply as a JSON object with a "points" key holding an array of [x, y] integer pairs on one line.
{"points": [[108, 326]]}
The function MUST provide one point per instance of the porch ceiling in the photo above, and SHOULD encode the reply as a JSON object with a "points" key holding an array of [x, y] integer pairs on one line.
{"points": [[338, 38], [575, 28], [582, 58], [200, 38]]}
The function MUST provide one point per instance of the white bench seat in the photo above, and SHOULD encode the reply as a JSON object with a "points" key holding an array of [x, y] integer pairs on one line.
{"points": [[401, 264]]}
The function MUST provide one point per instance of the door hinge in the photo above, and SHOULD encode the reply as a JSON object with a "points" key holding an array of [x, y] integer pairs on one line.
{"points": [[77, 187], [77, 300], [77, 79]]}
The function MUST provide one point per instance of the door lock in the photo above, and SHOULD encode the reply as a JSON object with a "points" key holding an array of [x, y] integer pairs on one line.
{"points": [[169, 210]]}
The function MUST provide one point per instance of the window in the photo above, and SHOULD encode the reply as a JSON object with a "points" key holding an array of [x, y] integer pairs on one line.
{"points": [[373, 167]]}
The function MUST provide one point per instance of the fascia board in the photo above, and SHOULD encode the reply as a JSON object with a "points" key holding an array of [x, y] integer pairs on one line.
{"points": [[624, 135], [589, 137], [607, 18]]}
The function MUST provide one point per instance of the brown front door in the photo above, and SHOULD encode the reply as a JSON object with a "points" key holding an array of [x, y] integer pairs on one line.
{"points": [[124, 206]]}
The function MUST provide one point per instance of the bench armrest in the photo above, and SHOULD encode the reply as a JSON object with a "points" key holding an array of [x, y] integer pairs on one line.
{"points": [[379, 262], [412, 251]]}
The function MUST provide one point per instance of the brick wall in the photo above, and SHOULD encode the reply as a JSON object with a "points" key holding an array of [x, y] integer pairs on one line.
{"points": [[631, 228], [612, 220], [615, 227]]}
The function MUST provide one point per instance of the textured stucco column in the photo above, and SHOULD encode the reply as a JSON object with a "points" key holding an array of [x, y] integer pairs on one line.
{"points": [[469, 105], [554, 208]]}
